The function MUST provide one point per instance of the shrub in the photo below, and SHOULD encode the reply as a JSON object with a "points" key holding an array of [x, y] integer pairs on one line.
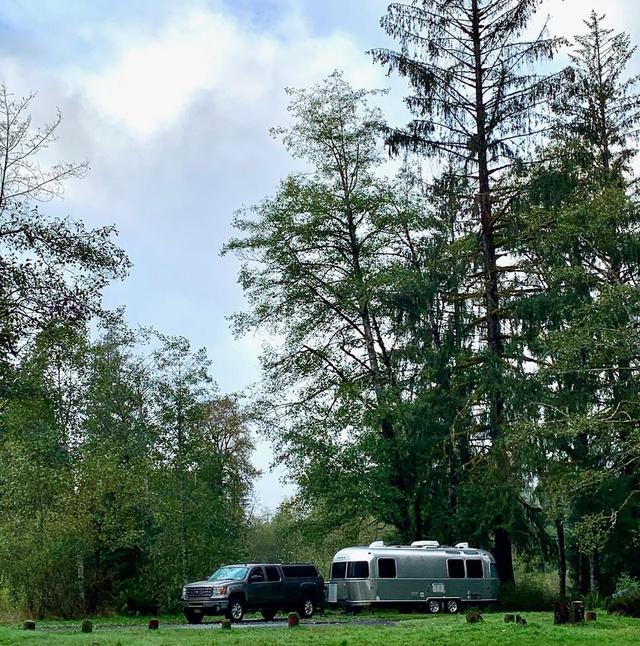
{"points": [[626, 599], [529, 595]]}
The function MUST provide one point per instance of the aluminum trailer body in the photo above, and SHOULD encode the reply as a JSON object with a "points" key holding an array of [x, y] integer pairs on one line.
{"points": [[440, 578]]}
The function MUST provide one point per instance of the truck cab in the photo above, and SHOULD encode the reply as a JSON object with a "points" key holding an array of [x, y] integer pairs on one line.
{"points": [[267, 587]]}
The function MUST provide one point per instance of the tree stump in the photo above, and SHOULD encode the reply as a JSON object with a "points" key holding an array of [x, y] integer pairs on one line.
{"points": [[293, 619], [29, 625], [521, 620], [153, 624], [86, 626], [509, 619], [590, 616], [474, 617], [576, 612], [226, 624], [560, 613]]}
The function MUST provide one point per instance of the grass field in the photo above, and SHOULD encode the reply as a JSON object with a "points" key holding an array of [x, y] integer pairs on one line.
{"points": [[441, 630]]}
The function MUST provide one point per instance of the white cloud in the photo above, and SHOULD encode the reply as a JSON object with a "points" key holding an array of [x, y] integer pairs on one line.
{"points": [[155, 76]]}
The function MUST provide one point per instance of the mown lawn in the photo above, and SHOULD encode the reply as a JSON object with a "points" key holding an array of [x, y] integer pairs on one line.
{"points": [[410, 629]]}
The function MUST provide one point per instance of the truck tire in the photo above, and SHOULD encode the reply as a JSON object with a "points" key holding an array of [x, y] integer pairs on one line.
{"points": [[268, 613], [307, 608], [235, 610], [192, 617]]}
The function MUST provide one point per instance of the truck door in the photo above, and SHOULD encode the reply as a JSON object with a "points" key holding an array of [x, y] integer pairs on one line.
{"points": [[256, 593], [274, 587]]}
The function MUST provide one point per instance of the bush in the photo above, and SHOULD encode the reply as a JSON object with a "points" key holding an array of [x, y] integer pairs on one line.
{"points": [[530, 595], [626, 599]]}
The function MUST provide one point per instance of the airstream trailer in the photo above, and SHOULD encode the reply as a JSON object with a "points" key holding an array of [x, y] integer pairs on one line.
{"points": [[439, 577]]}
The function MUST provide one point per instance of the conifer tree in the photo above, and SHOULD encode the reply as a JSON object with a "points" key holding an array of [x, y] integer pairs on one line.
{"points": [[580, 220], [476, 102]]}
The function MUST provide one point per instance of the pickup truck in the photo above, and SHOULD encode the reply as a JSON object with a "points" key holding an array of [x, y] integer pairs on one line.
{"points": [[268, 587]]}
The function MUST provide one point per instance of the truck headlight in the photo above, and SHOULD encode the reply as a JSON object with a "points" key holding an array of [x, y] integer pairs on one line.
{"points": [[218, 590], [184, 592]]}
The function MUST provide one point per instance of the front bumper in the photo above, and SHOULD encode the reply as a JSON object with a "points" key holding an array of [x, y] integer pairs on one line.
{"points": [[214, 606]]}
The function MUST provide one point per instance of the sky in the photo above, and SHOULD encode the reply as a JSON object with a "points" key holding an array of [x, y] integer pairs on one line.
{"points": [[171, 102]]}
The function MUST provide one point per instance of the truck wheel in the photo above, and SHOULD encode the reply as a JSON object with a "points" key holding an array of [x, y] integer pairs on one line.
{"points": [[453, 606], [268, 614], [192, 617], [235, 611], [433, 606], [307, 608]]}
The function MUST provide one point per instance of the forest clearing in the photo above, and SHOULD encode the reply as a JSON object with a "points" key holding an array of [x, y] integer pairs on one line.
{"points": [[341, 309], [400, 630]]}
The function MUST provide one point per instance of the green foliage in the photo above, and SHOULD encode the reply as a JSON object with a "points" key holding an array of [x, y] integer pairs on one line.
{"points": [[108, 450], [529, 594], [626, 598]]}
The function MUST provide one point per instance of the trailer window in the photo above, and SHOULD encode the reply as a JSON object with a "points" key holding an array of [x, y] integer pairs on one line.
{"points": [[338, 570], [387, 568], [474, 569], [358, 570], [455, 568]]}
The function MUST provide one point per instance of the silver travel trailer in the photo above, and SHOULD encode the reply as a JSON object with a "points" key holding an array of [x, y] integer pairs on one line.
{"points": [[438, 577]]}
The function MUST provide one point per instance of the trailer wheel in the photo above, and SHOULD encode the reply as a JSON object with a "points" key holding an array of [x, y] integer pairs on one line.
{"points": [[453, 606], [433, 606]]}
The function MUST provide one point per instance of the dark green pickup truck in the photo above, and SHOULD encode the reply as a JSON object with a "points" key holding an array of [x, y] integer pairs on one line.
{"points": [[268, 587]]}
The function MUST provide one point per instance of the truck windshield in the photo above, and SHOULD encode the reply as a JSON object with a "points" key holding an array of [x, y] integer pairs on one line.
{"points": [[225, 573]]}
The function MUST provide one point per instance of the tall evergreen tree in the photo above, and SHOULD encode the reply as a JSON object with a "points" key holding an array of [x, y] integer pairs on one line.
{"points": [[476, 103], [580, 220]]}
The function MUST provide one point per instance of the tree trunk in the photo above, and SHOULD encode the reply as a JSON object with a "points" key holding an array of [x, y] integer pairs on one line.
{"points": [[584, 572], [593, 571], [503, 548], [502, 553], [562, 559]]}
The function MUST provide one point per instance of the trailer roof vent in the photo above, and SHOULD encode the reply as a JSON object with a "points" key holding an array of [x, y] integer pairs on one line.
{"points": [[377, 544], [462, 546], [425, 544]]}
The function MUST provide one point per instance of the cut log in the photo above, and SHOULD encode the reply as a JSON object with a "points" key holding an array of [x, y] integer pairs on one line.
{"points": [[86, 626], [293, 619], [29, 625], [560, 613], [153, 624], [590, 616], [576, 612]]}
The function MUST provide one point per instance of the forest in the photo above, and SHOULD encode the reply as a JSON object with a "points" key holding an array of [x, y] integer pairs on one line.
{"points": [[453, 309]]}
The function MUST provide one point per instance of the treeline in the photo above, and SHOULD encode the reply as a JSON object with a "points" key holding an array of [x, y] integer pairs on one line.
{"points": [[123, 471], [458, 345]]}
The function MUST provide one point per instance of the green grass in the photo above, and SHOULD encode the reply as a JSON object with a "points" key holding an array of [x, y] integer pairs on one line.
{"points": [[412, 629]]}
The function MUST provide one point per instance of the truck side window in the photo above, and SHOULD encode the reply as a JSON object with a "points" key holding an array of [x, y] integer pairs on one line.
{"points": [[387, 568], [272, 573], [455, 568], [358, 570], [474, 569], [338, 570], [256, 572]]}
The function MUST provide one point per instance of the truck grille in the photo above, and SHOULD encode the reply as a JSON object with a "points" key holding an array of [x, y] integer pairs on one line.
{"points": [[198, 593]]}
